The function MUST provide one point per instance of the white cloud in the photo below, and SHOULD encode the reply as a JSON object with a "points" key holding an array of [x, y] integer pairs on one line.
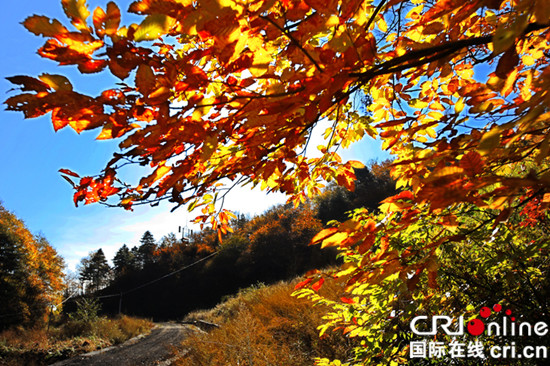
{"points": [[91, 228], [99, 227]]}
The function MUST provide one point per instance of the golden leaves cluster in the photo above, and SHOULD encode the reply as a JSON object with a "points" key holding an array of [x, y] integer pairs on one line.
{"points": [[229, 91]]}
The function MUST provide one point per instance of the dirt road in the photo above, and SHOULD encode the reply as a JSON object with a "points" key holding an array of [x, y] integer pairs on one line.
{"points": [[157, 348]]}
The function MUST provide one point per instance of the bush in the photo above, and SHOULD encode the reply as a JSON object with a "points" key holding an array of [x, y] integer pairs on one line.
{"points": [[86, 310], [40, 346], [264, 325]]}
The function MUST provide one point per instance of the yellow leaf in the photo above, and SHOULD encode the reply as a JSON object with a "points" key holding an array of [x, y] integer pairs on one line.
{"points": [[446, 171], [510, 82], [356, 164], [209, 146], [419, 104], [528, 60], [106, 132], [323, 234], [382, 25], [435, 105], [262, 58], [459, 105], [160, 172], [334, 240], [498, 202], [490, 140], [153, 26], [160, 95], [332, 21], [57, 82], [78, 12], [431, 132]]}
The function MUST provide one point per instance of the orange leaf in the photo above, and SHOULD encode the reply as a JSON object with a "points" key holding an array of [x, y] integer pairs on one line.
{"points": [[113, 19], [347, 300], [145, 79], [78, 12], [44, 26]]}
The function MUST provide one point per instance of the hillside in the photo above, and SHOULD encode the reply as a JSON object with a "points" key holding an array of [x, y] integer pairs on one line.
{"points": [[265, 325]]}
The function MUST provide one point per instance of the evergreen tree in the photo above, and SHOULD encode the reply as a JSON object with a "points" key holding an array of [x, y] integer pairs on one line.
{"points": [[147, 249], [124, 262], [94, 271]]}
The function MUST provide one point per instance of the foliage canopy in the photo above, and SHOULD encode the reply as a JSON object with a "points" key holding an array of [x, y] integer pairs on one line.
{"points": [[31, 277], [229, 91]]}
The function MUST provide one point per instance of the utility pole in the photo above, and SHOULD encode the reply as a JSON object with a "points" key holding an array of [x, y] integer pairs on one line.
{"points": [[185, 234]]}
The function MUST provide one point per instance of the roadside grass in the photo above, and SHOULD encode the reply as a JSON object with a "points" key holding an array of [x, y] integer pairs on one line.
{"points": [[265, 325], [43, 346]]}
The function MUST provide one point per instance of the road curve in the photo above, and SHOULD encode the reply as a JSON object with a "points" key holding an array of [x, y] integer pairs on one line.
{"points": [[157, 348]]}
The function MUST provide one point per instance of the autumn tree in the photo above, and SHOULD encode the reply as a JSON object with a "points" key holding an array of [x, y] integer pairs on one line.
{"points": [[31, 277], [373, 184], [216, 94], [168, 241]]}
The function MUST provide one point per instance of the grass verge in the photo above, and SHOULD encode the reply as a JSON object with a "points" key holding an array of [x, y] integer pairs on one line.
{"points": [[30, 347], [264, 325]]}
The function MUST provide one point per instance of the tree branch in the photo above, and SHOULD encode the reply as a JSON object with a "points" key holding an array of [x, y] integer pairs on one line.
{"points": [[427, 55], [295, 42]]}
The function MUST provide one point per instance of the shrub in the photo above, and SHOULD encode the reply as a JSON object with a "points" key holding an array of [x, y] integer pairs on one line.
{"points": [[264, 325], [40, 346], [86, 310]]}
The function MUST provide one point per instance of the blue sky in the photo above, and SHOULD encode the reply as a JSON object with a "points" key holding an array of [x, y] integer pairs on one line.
{"points": [[31, 155]]}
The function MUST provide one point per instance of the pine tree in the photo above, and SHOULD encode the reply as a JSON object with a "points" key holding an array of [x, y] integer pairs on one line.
{"points": [[94, 271], [147, 249], [124, 262]]}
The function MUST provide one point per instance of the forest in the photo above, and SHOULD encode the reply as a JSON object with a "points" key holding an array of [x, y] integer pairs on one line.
{"points": [[205, 96], [166, 279]]}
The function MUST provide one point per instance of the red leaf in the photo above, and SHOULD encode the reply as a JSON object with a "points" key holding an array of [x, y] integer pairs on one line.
{"points": [[92, 66], [317, 285], [303, 284], [472, 163], [405, 195], [69, 172], [28, 83], [432, 279], [507, 63], [347, 300]]}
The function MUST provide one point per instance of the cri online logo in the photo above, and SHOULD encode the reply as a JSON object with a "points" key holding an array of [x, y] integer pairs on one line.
{"points": [[475, 327]]}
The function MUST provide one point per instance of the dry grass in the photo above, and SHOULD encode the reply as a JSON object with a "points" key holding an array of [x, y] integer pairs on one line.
{"points": [[264, 326], [21, 346]]}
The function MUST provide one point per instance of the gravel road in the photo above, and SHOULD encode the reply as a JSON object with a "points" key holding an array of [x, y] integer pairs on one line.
{"points": [[157, 348]]}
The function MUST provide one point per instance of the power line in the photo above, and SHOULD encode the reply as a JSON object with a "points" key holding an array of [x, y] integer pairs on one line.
{"points": [[124, 292], [160, 278]]}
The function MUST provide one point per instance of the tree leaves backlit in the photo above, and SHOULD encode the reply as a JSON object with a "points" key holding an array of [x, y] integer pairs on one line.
{"points": [[228, 92]]}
